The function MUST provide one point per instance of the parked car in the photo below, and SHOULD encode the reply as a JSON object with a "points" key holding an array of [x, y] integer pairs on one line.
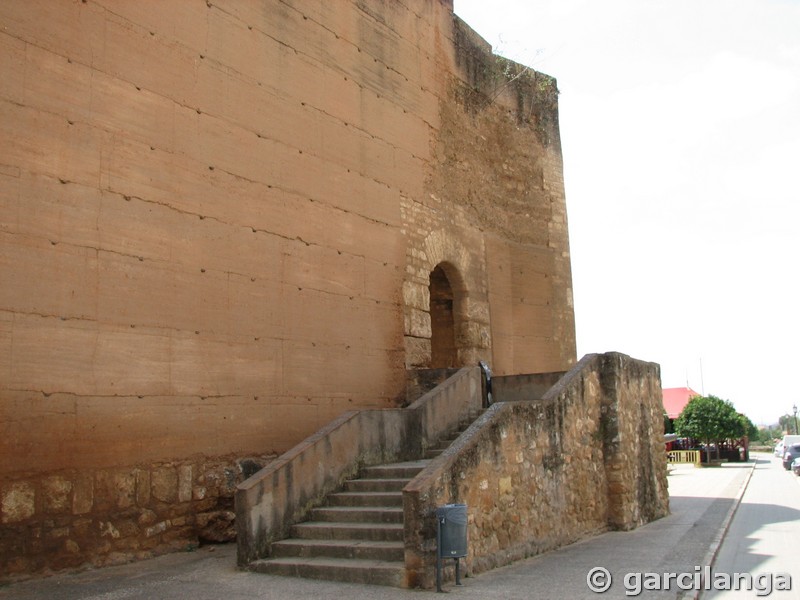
{"points": [[788, 440], [796, 466], [791, 453], [778, 449]]}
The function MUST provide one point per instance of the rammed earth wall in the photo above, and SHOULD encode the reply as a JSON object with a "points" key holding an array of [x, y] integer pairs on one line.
{"points": [[218, 224]]}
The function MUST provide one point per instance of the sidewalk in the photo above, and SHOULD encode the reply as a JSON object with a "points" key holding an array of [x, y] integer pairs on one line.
{"points": [[701, 503]]}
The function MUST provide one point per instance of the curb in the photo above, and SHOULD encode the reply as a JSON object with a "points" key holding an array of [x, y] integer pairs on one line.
{"points": [[711, 554]]}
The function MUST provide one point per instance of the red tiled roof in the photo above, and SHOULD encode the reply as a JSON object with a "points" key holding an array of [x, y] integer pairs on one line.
{"points": [[676, 399]]}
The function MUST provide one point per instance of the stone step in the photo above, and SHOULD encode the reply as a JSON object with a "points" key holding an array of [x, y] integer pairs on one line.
{"points": [[358, 549], [374, 572], [375, 485], [443, 444], [358, 536], [321, 530], [401, 470], [358, 514], [365, 499]]}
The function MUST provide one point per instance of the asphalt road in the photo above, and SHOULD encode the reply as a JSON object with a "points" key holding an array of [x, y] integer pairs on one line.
{"points": [[763, 538]]}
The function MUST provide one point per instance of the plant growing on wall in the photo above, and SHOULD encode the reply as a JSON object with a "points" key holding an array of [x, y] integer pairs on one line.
{"points": [[709, 419]]}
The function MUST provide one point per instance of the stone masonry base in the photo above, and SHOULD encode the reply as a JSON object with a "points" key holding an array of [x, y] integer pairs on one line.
{"points": [[73, 518]]}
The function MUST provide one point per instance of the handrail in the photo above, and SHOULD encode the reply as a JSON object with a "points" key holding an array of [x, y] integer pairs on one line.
{"points": [[487, 378]]}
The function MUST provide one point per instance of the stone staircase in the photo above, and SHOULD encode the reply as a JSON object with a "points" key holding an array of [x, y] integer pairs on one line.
{"points": [[443, 444], [357, 536]]}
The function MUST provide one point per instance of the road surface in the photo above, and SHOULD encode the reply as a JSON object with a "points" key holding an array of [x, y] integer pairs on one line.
{"points": [[763, 539]]}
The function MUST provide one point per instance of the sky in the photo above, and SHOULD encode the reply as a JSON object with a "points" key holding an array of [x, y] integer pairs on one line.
{"points": [[680, 130]]}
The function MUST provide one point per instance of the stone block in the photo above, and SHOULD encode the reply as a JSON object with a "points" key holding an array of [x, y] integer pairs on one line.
{"points": [[147, 517], [476, 310], [58, 532], [217, 526], [416, 295], [183, 535], [156, 529], [56, 492], [417, 323], [81, 527], [474, 335], [125, 488], [184, 483], [107, 529], [164, 484], [17, 502], [418, 352], [142, 487], [204, 505], [127, 528], [229, 482], [114, 489]]}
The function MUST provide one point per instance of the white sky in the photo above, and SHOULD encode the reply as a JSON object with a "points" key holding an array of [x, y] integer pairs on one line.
{"points": [[680, 126]]}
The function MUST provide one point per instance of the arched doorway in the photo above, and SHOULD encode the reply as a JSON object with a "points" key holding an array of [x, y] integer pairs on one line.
{"points": [[444, 353]]}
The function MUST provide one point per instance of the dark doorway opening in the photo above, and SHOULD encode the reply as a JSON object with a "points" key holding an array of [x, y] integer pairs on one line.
{"points": [[443, 338]]}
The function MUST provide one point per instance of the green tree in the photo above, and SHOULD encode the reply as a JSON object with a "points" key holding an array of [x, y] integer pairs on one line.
{"points": [[709, 419], [750, 429], [770, 434], [787, 424], [669, 427]]}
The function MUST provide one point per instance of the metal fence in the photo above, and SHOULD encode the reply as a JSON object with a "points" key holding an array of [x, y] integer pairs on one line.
{"points": [[683, 457]]}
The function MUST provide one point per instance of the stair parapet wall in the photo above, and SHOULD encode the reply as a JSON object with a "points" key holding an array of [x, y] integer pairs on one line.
{"points": [[539, 474], [633, 433], [421, 381], [283, 493], [448, 405], [513, 388]]}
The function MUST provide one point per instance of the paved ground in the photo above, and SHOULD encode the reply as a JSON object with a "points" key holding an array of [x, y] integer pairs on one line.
{"points": [[763, 535], [702, 502]]}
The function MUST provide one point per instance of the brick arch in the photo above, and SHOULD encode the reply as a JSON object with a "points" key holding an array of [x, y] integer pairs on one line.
{"points": [[463, 268], [441, 248]]}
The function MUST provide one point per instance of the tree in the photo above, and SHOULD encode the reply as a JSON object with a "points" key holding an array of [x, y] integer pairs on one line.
{"points": [[669, 427], [770, 434], [750, 429], [709, 419], [787, 424]]}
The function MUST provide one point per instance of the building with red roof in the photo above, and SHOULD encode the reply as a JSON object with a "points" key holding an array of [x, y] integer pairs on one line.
{"points": [[676, 399]]}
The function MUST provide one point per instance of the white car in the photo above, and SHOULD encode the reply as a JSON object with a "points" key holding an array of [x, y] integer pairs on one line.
{"points": [[778, 449]]}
